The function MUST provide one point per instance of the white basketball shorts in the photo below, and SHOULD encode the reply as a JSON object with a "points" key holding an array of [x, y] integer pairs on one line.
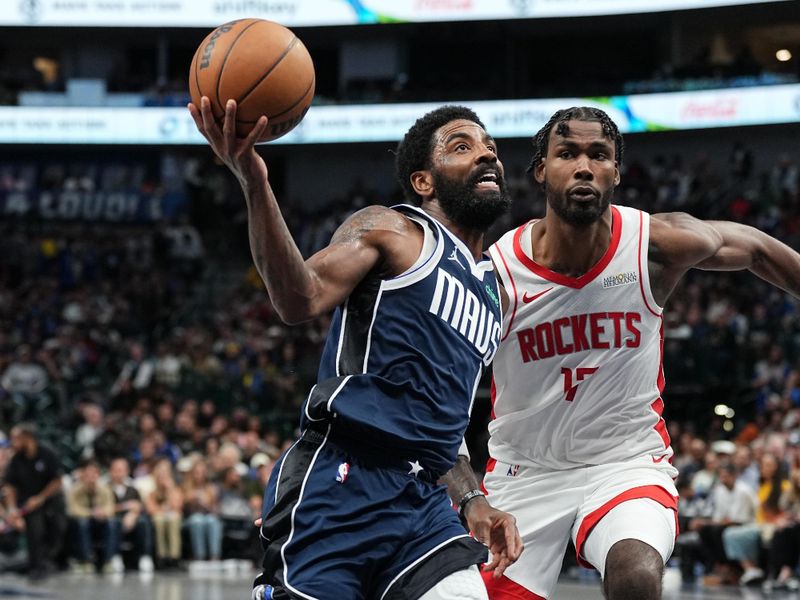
{"points": [[596, 506]]}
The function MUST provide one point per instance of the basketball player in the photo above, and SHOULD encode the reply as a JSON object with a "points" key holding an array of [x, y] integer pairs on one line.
{"points": [[577, 443], [353, 509]]}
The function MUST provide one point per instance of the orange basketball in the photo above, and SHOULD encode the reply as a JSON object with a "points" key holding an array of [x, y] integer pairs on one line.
{"points": [[260, 64]]}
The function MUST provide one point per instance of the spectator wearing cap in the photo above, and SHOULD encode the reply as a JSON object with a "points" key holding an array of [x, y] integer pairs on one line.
{"points": [[34, 499], [260, 470]]}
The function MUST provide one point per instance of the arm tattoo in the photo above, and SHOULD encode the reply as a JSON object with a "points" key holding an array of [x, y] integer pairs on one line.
{"points": [[359, 226]]}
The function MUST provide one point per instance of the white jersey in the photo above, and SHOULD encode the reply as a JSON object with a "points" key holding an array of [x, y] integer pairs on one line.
{"points": [[578, 375]]}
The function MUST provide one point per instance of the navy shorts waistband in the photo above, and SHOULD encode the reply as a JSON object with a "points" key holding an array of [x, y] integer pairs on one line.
{"points": [[373, 458]]}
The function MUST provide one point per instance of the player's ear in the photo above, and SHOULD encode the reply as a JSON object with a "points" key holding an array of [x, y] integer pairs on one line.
{"points": [[422, 182], [616, 174], [540, 170]]}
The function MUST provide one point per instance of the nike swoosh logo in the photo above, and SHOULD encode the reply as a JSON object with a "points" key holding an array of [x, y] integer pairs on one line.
{"points": [[659, 459], [527, 299]]}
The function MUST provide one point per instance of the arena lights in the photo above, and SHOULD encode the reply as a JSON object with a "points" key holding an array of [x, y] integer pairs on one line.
{"points": [[723, 410], [783, 55]]}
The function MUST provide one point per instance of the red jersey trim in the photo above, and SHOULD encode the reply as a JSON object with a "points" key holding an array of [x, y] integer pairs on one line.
{"points": [[490, 464], [661, 381], [641, 279], [513, 287], [591, 274], [661, 425], [502, 588], [653, 492]]}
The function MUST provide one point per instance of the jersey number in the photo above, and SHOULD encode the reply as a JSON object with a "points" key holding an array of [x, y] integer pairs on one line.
{"points": [[572, 377]]}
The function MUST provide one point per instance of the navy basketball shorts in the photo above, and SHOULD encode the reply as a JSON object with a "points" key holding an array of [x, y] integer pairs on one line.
{"points": [[339, 527]]}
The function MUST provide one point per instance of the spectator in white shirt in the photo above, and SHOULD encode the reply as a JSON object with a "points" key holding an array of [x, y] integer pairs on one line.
{"points": [[733, 503]]}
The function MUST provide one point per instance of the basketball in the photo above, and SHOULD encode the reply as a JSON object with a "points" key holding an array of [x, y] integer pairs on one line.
{"points": [[260, 64]]}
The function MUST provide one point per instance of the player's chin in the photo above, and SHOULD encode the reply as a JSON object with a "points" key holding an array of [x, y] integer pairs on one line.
{"points": [[489, 192]]}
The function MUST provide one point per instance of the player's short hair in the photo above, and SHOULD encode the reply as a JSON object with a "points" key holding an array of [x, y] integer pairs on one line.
{"points": [[577, 113], [414, 150]]}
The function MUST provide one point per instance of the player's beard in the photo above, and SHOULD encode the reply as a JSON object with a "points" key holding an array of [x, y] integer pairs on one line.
{"points": [[468, 207], [578, 214]]}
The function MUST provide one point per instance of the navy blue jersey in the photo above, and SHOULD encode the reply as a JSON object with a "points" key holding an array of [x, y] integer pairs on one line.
{"points": [[404, 355]]}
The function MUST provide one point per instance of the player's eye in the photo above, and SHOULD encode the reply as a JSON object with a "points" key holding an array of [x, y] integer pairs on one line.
{"points": [[565, 154]]}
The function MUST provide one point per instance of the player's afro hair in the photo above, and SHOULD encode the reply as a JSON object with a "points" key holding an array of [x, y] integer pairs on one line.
{"points": [[576, 113], [414, 151]]}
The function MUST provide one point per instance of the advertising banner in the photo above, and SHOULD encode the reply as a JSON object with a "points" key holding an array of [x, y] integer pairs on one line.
{"points": [[113, 207], [302, 13], [388, 122]]}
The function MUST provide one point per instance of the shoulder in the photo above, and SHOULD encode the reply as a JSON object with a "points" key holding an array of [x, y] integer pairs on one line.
{"points": [[372, 222], [506, 241], [681, 239]]}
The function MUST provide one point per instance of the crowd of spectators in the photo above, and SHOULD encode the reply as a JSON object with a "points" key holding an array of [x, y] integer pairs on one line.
{"points": [[163, 387], [739, 508]]}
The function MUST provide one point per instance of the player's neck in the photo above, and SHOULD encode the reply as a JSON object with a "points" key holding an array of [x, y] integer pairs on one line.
{"points": [[567, 249], [472, 238]]}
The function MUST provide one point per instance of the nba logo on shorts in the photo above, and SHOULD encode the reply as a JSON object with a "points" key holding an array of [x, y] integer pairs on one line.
{"points": [[343, 470], [512, 470]]}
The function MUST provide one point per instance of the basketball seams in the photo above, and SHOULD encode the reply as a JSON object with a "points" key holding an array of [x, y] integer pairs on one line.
{"points": [[283, 112], [225, 60], [272, 67]]}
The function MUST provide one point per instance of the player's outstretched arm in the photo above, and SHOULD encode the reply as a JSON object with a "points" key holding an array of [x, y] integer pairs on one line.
{"points": [[679, 242], [745, 247], [301, 290], [495, 528]]}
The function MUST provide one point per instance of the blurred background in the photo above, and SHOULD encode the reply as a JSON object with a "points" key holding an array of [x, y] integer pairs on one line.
{"points": [[133, 325]]}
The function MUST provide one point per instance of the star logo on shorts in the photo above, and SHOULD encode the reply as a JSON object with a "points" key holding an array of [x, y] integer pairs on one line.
{"points": [[415, 468]]}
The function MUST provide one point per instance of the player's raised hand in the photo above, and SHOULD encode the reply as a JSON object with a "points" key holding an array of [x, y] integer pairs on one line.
{"points": [[238, 154], [498, 530]]}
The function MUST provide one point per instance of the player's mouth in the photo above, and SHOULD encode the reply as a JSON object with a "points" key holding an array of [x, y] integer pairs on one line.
{"points": [[490, 180], [583, 193]]}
